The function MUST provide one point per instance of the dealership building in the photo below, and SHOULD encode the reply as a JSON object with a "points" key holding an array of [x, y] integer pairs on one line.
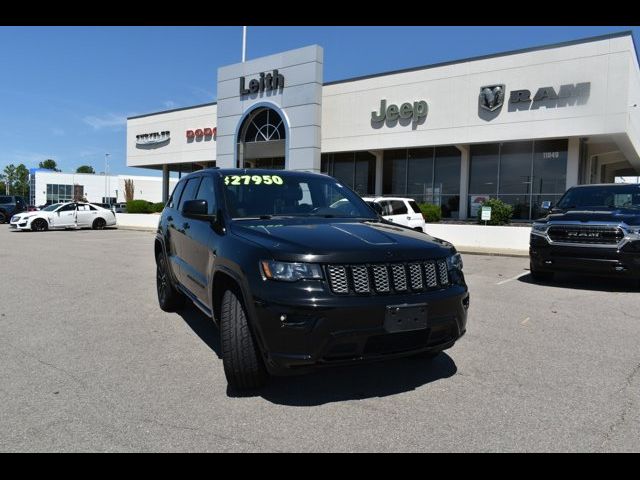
{"points": [[48, 186], [521, 126]]}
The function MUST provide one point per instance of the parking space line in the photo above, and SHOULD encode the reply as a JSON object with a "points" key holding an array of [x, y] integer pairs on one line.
{"points": [[512, 278]]}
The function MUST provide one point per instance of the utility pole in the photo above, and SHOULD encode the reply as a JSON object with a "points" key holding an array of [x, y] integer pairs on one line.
{"points": [[106, 175]]}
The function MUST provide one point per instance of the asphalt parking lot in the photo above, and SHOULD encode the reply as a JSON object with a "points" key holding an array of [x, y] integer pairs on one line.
{"points": [[88, 362]]}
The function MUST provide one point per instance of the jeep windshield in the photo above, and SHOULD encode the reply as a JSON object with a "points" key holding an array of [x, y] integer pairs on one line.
{"points": [[599, 197], [291, 194], [6, 199]]}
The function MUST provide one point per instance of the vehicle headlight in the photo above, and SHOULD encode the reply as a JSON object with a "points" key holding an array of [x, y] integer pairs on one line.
{"points": [[454, 262], [539, 228], [290, 272]]}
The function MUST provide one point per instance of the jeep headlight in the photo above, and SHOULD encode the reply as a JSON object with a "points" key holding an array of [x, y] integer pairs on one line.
{"points": [[540, 228], [454, 262], [290, 272]]}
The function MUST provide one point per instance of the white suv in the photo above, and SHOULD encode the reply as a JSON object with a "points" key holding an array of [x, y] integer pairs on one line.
{"points": [[403, 211]]}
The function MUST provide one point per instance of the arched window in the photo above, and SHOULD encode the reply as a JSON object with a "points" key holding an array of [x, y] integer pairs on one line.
{"points": [[261, 140], [262, 125]]}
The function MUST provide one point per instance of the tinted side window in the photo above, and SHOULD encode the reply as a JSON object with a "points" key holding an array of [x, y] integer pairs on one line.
{"points": [[68, 208], [415, 207], [175, 196], [189, 193], [398, 207], [207, 192]]}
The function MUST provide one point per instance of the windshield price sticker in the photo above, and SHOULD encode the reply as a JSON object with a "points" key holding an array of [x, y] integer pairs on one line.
{"points": [[253, 180]]}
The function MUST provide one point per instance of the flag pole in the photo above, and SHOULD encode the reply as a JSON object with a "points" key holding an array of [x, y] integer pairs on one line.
{"points": [[244, 42]]}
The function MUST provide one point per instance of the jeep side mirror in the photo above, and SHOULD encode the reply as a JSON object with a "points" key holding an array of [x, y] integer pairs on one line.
{"points": [[196, 209], [547, 205]]}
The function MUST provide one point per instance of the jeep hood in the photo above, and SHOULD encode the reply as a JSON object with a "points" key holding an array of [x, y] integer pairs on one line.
{"points": [[339, 240]]}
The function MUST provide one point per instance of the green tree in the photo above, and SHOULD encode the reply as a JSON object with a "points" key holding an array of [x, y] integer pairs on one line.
{"points": [[50, 164], [9, 177], [20, 185], [85, 169]]}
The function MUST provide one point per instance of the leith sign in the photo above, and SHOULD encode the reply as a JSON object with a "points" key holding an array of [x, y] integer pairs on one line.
{"points": [[266, 82]]}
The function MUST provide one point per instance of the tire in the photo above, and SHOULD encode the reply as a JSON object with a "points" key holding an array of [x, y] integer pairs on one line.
{"points": [[39, 225], [540, 276], [169, 298], [3, 217], [98, 224], [243, 364]]}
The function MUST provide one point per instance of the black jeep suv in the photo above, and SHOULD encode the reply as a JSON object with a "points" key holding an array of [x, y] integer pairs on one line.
{"points": [[10, 205], [594, 229], [298, 272]]}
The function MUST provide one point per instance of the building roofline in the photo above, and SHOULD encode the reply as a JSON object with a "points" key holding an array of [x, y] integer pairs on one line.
{"points": [[607, 36], [172, 110], [491, 55]]}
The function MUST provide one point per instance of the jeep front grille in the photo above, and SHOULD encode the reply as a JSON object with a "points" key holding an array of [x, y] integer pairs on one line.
{"points": [[388, 278]]}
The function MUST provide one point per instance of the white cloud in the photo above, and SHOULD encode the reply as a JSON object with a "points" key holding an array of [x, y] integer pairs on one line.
{"points": [[203, 93], [170, 104], [107, 121]]}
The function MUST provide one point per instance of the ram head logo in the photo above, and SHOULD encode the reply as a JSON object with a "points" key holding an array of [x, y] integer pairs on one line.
{"points": [[491, 97]]}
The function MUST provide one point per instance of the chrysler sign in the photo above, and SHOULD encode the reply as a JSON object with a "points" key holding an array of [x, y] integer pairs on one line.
{"points": [[155, 138]]}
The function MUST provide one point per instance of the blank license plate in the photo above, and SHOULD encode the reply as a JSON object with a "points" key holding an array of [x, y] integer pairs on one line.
{"points": [[402, 318]]}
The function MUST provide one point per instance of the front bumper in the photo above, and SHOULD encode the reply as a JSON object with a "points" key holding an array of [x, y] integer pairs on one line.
{"points": [[621, 262], [20, 224], [324, 330]]}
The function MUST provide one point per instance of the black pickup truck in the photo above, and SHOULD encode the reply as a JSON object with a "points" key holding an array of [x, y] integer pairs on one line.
{"points": [[300, 273], [594, 229], [10, 205]]}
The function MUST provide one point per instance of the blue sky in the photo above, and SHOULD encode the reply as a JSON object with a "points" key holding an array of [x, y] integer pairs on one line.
{"points": [[65, 92]]}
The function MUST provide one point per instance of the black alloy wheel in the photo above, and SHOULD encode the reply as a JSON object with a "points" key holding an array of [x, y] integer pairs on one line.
{"points": [[39, 225]]}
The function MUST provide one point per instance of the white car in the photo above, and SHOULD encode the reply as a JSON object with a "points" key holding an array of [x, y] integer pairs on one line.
{"points": [[403, 211], [64, 215]]}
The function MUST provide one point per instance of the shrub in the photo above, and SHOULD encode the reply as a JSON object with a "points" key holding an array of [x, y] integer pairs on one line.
{"points": [[139, 206], [431, 213], [157, 207], [501, 212]]}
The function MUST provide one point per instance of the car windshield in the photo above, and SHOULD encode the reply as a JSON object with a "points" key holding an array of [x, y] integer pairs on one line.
{"points": [[291, 194], [51, 208], [602, 197]]}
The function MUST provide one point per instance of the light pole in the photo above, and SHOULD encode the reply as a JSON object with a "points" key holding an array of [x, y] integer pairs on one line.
{"points": [[106, 176]]}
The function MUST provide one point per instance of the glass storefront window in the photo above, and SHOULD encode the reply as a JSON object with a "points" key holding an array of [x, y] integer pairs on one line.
{"points": [[355, 169], [483, 170], [365, 173], [394, 172], [515, 168], [522, 174], [420, 174], [550, 166], [428, 175], [60, 193]]}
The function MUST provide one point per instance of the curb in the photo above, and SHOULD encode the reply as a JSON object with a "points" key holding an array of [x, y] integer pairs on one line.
{"points": [[494, 253], [137, 229]]}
